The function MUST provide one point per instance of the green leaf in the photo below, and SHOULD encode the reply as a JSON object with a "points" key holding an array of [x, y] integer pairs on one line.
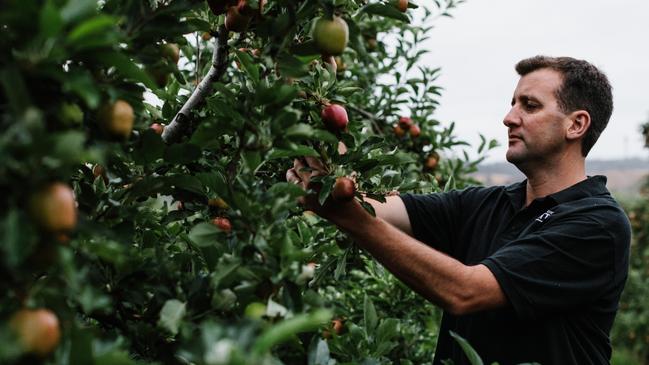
{"points": [[300, 130], [171, 315], [182, 153], [90, 28], [248, 65], [186, 182], [125, 67], [325, 136], [151, 148], [291, 66], [369, 316], [288, 328], [295, 152], [15, 89], [50, 20], [387, 330], [115, 357], [385, 10], [77, 9], [204, 234], [319, 353], [470, 352]]}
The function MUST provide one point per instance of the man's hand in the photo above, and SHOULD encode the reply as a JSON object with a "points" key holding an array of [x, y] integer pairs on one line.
{"points": [[302, 172]]}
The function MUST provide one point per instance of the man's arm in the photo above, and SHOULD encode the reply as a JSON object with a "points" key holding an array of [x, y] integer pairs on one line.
{"points": [[441, 279], [393, 211]]}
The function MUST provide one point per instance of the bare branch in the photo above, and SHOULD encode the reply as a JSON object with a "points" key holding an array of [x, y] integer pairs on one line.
{"points": [[180, 125]]}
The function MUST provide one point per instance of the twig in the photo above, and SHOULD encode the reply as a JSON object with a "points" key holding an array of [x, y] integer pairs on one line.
{"points": [[372, 118], [180, 124]]}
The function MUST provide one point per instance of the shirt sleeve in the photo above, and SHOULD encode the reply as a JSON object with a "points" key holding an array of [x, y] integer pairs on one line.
{"points": [[434, 218], [571, 262]]}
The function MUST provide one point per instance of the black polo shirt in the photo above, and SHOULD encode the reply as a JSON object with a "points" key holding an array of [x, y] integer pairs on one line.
{"points": [[562, 263]]}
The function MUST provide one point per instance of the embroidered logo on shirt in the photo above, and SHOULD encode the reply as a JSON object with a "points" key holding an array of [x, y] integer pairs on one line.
{"points": [[543, 217]]}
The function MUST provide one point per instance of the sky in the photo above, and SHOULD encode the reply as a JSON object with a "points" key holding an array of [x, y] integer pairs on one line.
{"points": [[478, 48]]}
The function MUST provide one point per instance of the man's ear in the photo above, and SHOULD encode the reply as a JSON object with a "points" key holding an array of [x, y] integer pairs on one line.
{"points": [[579, 124]]}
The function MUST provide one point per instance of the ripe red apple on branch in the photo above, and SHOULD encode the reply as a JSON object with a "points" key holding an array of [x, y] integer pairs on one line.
{"points": [[54, 208], [335, 117], [331, 35], [415, 131], [235, 21], [37, 330], [432, 161], [157, 128], [223, 224], [246, 9], [344, 189], [402, 5], [405, 123], [398, 131]]}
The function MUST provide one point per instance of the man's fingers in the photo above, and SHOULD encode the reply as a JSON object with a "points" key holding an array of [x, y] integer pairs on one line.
{"points": [[292, 177], [314, 163]]}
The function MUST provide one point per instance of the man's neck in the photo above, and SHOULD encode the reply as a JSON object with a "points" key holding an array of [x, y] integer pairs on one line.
{"points": [[546, 180]]}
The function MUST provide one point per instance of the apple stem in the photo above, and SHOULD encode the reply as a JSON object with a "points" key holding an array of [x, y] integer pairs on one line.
{"points": [[180, 124]]}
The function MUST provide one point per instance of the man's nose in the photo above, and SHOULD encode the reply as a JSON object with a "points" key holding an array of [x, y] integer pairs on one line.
{"points": [[511, 118]]}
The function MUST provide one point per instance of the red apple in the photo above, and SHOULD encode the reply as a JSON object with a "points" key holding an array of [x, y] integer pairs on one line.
{"points": [[247, 10], [415, 131], [402, 5], [431, 161], [235, 21], [223, 224], [54, 208], [405, 123], [37, 330], [344, 189], [331, 35], [398, 131], [157, 128], [335, 117]]}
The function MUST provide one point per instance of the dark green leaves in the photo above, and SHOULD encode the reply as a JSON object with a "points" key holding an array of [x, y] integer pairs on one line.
{"points": [[385, 10]]}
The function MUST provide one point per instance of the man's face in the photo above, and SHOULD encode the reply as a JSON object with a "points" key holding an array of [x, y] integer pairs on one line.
{"points": [[536, 125]]}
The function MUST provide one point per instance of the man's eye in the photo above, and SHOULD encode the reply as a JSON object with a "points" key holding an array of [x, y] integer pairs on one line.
{"points": [[531, 105]]}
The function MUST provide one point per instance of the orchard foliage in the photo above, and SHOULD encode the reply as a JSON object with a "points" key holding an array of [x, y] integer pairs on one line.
{"points": [[187, 244], [631, 330]]}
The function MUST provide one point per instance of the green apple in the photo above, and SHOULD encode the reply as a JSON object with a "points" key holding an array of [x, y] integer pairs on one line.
{"points": [[116, 119], [331, 35]]}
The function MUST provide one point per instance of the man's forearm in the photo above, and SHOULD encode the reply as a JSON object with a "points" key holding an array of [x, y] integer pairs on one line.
{"points": [[439, 278]]}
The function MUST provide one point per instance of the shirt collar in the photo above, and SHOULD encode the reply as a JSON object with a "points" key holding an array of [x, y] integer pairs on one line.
{"points": [[593, 185]]}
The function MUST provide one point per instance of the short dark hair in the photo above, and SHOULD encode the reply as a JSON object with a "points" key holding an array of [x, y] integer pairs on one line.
{"points": [[584, 87]]}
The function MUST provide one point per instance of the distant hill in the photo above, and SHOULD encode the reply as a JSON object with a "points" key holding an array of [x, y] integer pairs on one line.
{"points": [[625, 177]]}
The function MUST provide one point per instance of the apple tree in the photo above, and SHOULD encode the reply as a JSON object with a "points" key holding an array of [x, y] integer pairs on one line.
{"points": [[630, 332], [146, 216]]}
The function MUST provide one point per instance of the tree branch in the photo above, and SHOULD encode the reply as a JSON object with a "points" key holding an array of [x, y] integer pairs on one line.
{"points": [[180, 124]]}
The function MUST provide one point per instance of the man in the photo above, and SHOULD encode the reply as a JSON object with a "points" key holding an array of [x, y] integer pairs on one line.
{"points": [[531, 272]]}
